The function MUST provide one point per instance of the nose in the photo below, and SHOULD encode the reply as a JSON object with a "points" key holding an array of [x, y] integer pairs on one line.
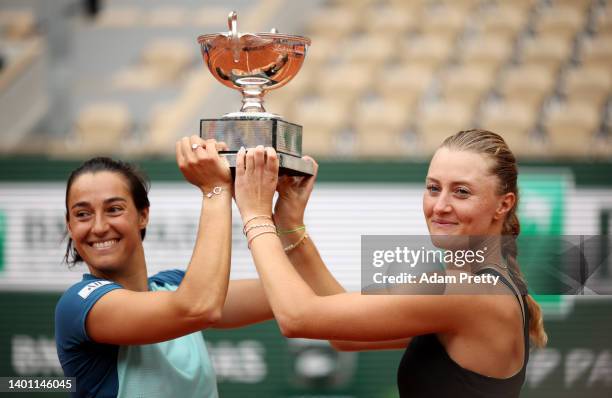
{"points": [[442, 204], [100, 225]]}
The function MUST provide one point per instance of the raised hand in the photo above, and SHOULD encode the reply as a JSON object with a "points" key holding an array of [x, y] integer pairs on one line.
{"points": [[256, 179], [293, 196], [201, 164]]}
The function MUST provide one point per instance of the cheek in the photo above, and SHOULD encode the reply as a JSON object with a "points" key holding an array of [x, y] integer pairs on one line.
{"points": [[428, 205], [77, 230]]}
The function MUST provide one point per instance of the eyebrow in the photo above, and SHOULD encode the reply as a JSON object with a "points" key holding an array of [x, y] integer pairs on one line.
{"points": [[107, 201], [453, 183]]}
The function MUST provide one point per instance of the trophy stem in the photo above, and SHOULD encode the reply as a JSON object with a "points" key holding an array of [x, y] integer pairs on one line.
{"points": [[252, 97]]}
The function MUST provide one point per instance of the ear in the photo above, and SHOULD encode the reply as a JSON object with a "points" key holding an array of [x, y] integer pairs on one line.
{"points": [[143, 218], [507, 202]]}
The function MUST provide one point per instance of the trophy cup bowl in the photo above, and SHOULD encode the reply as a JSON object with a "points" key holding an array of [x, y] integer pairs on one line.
{"points": [[254, 63]]}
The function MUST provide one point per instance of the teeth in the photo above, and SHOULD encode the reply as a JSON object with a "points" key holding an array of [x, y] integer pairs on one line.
{"points": [[105, 244]]}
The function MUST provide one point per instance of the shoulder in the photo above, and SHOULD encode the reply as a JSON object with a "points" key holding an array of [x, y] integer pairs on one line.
{"points": [[85, 292], [168, 278], [74, 305]]}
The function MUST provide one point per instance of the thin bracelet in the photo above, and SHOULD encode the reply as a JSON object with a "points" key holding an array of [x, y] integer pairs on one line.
{"points": [[215, 191], [252, 227], [296, 244], [254, 218], [301, 227], [256, 235]]}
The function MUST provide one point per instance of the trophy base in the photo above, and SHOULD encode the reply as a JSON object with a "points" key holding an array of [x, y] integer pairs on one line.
{"points": [[250, 131], [288, 164]]}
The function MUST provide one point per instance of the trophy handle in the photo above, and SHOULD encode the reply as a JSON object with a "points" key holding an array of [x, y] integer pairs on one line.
{"points": [[232, 24]]}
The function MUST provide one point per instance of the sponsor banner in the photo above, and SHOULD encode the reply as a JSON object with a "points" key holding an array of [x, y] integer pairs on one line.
{"points": [[257, 361]]}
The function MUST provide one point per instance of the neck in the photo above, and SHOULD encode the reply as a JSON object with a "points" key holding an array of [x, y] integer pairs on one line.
{"points": [[132, 276]]}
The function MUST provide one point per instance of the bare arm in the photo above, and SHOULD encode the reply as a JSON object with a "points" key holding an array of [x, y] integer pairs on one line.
{"points": [[346, 316], [246, 303], [129, 317], [294, 193]]}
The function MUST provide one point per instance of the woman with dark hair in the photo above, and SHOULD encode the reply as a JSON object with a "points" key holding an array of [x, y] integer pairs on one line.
{"points": [[457, 344], [124, 334]]}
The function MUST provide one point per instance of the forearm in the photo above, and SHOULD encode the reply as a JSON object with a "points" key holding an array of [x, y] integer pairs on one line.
{"points": [[312, 269], [205, 284], [289, 296], [246, 304]]}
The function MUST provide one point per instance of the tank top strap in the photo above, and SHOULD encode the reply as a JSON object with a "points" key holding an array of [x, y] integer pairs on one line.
{"points": [[502, 278]]}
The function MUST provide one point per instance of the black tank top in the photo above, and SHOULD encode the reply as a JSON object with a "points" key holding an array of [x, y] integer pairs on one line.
{"points": [[426, 369]]}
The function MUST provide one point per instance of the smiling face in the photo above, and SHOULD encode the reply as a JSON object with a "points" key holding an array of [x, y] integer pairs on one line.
{"points": [[462, 196], [104, 223]]}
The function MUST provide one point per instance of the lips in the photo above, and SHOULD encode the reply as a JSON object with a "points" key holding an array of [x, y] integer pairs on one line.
{"points": [[443, 222]]}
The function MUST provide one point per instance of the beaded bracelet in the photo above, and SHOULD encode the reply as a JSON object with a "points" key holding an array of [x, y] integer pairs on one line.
{"points": [[292, 246], [300, 228], [252, 227], [256, 235]]}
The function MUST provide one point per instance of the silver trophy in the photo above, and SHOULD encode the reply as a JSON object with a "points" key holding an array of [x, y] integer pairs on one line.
{"points": [[255, 63]]}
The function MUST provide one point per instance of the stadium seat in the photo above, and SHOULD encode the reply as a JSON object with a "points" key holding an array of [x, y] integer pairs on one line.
{"points": [[321, 51], [571, 129], [603, 22], [381, 114], [429, 51], [100, 127], [489, 52], [444, 22], [391, 21], [170, 57], [326, 114], [589, 85], [598, 52], [380, 142], [405, 83], [513, 121], [333, 22], [439, 120], [503, 21], [467, 84], [548, 51], [528, 83], [579, 5], [369, 50], [560, 22], [344, 81]]}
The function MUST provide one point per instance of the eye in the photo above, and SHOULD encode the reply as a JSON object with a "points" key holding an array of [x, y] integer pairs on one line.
{"points": [[463, 192], [115, 209], [80, 214], [432, 188]]}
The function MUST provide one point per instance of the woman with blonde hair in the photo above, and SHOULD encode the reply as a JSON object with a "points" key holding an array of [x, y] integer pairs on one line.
{"points": [[456, 344]]}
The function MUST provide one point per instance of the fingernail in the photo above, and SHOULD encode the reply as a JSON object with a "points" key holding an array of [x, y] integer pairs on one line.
{"points": [[259, 146], [242, 149]]}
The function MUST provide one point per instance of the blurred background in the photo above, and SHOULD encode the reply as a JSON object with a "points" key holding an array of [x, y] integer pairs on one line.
{"points": [[384, 82]]}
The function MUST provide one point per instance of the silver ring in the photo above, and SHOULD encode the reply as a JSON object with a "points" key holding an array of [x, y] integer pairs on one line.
{"points": [[195, 146]]}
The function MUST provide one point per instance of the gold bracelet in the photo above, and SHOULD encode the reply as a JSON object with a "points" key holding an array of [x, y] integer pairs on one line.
{"points": [[259, 234], [252, 227], [288, 231], [296, 244], [254, 218]]}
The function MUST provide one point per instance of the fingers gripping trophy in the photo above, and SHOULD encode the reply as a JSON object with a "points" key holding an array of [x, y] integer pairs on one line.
{"points": [[254, 63]]}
